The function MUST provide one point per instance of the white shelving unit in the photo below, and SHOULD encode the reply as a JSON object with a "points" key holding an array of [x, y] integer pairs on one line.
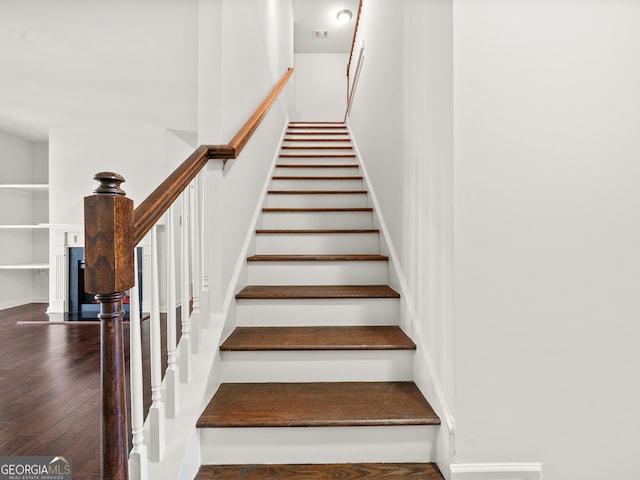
{"points": [[24, 221], [37, 262]]}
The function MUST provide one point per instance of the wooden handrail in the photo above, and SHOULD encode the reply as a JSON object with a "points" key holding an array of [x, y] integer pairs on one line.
{"points": [[112, 230], [158, 202], [353, 41]]}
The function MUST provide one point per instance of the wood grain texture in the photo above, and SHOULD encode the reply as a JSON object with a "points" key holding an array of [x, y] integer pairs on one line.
{"points": [[288, 139], [319, 258], [310, 132], [316, 291], [316, 210], [317, 192], [317, 338], [317, 155], [325, 404], [318, 126], [316, 165], [318, 231], [353, 471], [311, 147], [50, 396]]}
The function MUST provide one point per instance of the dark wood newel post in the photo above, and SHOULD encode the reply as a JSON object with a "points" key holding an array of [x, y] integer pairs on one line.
{"points": [[108, 234]]}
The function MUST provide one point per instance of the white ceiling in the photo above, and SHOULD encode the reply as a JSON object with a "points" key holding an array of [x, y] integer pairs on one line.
{"points": [[310, 15], [77, 62]]}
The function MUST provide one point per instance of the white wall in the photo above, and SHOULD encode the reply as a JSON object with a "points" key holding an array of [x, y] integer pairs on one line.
{"points": [[320, 86], [547, 109], [77, 154], [245, 49], [401, 118]]}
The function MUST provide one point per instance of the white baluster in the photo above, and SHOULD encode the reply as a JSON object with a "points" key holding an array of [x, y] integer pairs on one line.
{"points": [[138, 460], [156, 411], [195, 267], [171, 375], [185, 340], [204, 292]]}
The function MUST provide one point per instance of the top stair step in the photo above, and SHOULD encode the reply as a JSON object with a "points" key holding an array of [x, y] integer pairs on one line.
{"points": [[324, 404]]}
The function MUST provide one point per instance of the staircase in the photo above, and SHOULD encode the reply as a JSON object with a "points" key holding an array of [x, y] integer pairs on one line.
{"points": [[317, 376]]}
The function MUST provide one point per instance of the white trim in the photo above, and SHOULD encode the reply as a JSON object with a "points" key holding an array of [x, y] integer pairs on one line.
{"points": [[496, 471], [445, 412], [242, 257]]}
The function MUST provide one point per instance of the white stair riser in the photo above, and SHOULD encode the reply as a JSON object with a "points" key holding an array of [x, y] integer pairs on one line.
{"points": [[319, 273], [318, 150], [314, 312], [317, 244], [293, 184], [317, 172], [333, 159], [412, 443], [334, 200], [307, 220], [318, 366]]}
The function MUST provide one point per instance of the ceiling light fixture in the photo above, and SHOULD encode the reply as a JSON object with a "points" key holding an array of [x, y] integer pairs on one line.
{"points": [[344, 16]]}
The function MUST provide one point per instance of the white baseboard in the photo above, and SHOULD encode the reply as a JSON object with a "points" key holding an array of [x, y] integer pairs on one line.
{"points": [[15, 303], [496, 471]]}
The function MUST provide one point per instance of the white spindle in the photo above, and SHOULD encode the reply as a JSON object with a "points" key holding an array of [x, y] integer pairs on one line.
{"points": [[185, 341], [195, 267], [156, 411], [171, 376], [204, 291], [138, 460]]}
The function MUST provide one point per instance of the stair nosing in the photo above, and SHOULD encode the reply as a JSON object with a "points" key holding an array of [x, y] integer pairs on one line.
{"points": [[317, 210], [350, 338], [320, 231], [303, 292], [317, 192], [319, 258], [259, 405]]}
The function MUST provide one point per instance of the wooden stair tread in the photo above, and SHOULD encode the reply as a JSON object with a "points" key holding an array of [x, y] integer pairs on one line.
{"points": [[293, 177], [311, 147], [318, 125], [324, 404], [254, 292], [318, 258], [287, 139], [317, 192], [317, 165], [317, 155], [318, 231], [317, 210], [317, 338], [350, 471], [313, 123], [307, 132]]}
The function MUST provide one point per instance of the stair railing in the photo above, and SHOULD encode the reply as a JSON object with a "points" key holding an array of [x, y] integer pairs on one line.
{"points": [[353, 46], [113, 229]]}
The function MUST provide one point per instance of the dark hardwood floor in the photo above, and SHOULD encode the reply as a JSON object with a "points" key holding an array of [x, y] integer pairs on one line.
{"points": [[50, 387]]}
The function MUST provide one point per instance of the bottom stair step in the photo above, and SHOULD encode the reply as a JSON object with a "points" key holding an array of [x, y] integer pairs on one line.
{"points": [[317, 405], [354, 471]]}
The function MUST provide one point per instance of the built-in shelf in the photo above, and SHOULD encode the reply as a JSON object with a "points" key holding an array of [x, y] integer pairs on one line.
{"points": [[26, 266], [40, 226], [25, 187]]}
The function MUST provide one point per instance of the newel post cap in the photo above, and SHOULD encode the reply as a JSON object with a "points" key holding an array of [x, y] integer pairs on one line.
{"points": [[108, 237]]}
